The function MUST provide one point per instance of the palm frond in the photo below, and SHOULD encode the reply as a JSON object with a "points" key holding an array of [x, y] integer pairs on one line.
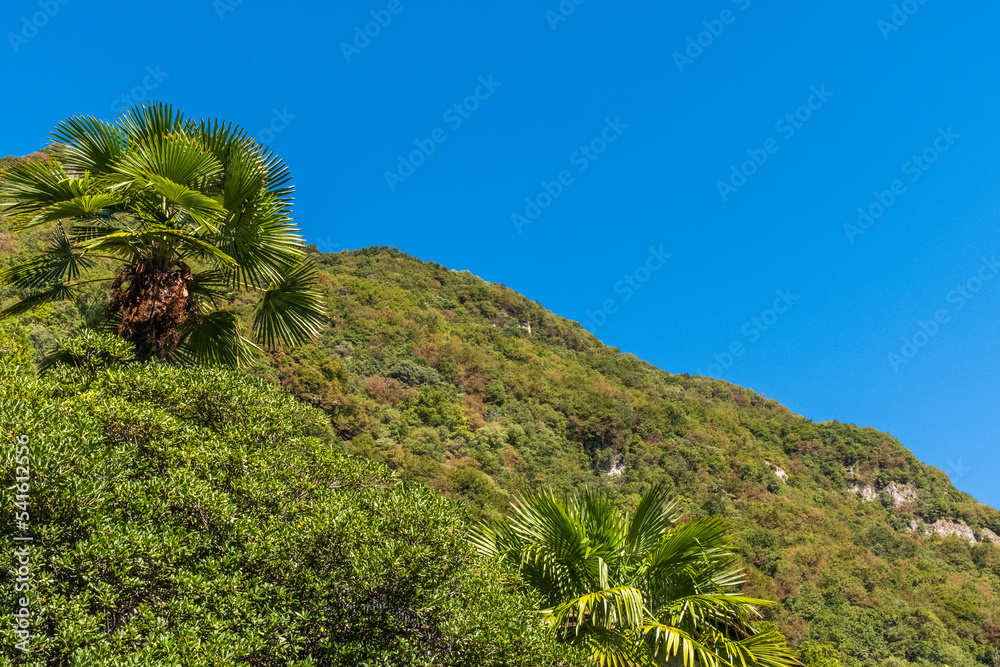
{"points": [[150, 120], [87, 144], [56, 264], [60, 292], [766, 649], [484, 539], [84, 233], [763, 649], [693, 552], [290, 311], [609, 648], [618, 607], [703, 610], [279, 179], [133, 243], [667, 644], [34, 186], [549, 528], [213, 339], [83, 207], [175, 157], [209, 287], [245, 173], [204, 211], [604, 524], [264, 243], [653, 516]]}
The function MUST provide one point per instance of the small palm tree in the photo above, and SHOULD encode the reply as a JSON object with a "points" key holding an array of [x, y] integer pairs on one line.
{"points": [[141, 201], [638, 590]]}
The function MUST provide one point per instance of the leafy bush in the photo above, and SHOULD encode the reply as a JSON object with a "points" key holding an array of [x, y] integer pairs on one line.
{"points": [[414, 375], [198, 517]]}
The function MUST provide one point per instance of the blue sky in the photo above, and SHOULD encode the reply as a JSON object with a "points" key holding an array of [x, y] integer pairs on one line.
{"points": [[673, 177]]}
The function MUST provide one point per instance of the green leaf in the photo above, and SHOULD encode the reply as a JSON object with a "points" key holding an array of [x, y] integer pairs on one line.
{"points": [[264, 243], [175, 157], [81, 208], [134, 242], [87, 144], [653, 516], [290, 311], [214, 339], [34, 186], [55, 293], [57, 263], [205, 211]]}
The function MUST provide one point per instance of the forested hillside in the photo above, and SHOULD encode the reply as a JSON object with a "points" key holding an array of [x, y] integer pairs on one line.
{"points": [[480, 393]]}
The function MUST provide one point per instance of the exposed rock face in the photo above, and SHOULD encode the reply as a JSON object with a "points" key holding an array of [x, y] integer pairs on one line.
{"points": [[782, 475], [617, 469], [946, 528], [868, 493], [994, 538], [902, 494]]}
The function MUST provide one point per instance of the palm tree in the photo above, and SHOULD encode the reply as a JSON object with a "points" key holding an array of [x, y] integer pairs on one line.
{"points": [[640, 590], [139, 202]]}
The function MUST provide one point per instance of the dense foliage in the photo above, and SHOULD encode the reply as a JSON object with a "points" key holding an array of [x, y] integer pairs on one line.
{"points": [[481, 394], [203, 518]]}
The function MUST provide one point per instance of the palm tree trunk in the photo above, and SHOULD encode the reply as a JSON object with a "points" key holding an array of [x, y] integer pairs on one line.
{"points": [[153, 300]]}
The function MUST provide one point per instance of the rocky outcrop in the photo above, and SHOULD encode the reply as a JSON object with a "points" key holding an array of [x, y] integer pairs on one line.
{"points": [[947, 528], [868, 493], [781, 474], [902, 494]]}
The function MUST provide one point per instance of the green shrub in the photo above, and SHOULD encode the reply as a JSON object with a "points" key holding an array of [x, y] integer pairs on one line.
{"points": [[199, 517]]}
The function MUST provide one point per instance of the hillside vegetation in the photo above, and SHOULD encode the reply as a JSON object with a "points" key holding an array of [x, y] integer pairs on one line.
{"points": [[479, 393], [201, 517]]}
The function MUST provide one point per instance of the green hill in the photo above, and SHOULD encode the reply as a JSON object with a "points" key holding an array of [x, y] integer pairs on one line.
{"points": [[479, 393]]}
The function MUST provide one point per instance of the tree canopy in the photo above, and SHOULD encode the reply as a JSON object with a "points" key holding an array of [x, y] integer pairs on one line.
{"points": [[175, 216]]}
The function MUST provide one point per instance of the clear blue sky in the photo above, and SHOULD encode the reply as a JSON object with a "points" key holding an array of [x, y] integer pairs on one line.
{"points": [[913, 109]]}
